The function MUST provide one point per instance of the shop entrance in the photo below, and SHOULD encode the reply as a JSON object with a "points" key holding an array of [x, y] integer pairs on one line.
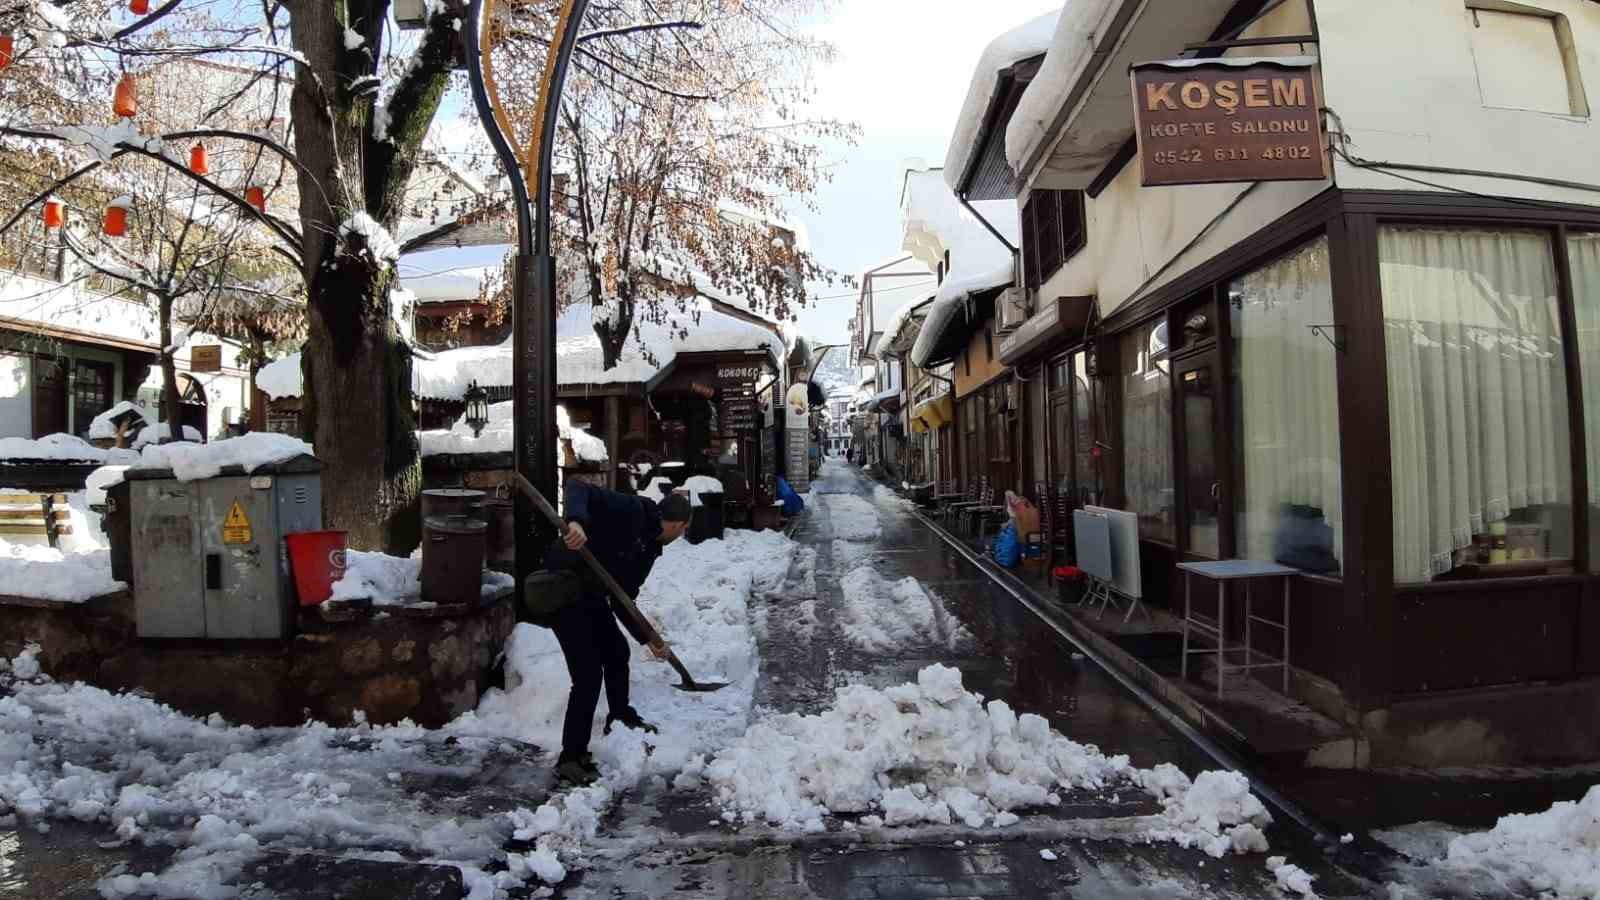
{"points": [[1200, 495]]}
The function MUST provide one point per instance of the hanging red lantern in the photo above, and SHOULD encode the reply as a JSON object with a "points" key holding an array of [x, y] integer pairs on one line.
{"points": [[116, 222], [139, 7], [55, 213], [256, 197], [8, 51], [197, 160], [126, 102]]}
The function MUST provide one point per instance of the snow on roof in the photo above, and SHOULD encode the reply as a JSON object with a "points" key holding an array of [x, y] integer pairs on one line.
{"points": [[189, 462], [1030, 39], [497, 434], [449, 286], [60, 448], [950, 301], [934, 221], [891, 330], [1072, 49], [446, 375]]}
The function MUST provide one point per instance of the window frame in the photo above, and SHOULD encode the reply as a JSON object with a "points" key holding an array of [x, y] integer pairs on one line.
{"points": [[1056, 218]]}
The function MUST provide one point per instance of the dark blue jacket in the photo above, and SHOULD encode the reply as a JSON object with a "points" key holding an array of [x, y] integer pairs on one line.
{"points": [[624, 535]]}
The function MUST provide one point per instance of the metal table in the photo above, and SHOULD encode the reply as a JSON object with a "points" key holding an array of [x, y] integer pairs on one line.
{"points": [[1222, 572]]}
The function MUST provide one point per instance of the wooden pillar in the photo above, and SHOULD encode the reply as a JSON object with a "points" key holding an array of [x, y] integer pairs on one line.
{"points": [[614, 438], [1366, 650]]}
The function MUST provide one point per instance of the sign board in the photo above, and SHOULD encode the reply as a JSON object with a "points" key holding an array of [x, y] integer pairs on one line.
{"points": [[205, 358], [798, 399], [738, 375], [236, 528], [1220, 120], [738, 415], [798, 468]]}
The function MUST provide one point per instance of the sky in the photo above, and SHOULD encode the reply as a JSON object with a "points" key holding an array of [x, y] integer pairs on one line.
{"points": [[901, 73]]}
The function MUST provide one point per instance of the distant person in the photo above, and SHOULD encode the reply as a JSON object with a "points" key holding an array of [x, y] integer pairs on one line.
{"points": [[625, 533]]}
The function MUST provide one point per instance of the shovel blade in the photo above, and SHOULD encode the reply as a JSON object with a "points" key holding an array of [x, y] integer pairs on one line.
{"points": [[701, 687]]}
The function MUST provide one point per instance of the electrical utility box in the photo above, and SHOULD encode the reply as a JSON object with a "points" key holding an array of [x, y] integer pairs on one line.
{"points": [[209, 559]]}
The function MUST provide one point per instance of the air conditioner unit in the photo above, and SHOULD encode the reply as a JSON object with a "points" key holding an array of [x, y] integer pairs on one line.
{"points": [[1010, 310]]}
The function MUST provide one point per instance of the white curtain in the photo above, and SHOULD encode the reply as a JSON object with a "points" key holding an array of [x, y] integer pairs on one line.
{"points": [[1147, 432], [1477, 387], [1288, 417], [1584, 251]]}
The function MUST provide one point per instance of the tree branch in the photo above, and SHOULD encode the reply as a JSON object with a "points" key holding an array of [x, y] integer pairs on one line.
{"points": [[636, 29]]}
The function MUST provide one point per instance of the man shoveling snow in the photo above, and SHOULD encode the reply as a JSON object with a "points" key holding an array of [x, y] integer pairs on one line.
{"points": [[629, 532]]}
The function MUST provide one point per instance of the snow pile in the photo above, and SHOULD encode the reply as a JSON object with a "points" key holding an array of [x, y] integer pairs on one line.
{"points": [[223, 793], [1215, 813], [923, 752], [1291, 878], [887, 616], [1553, 854], [159, 432], [394, 581], [852, 518], [60, 448], [45, 573], [104, 428], [189, 461], [98, 482], [698, 596]]}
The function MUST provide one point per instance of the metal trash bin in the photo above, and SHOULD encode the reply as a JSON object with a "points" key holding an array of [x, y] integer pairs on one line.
{"points": [[452, 559], [452, 502], [705, 524], [209, 560]]}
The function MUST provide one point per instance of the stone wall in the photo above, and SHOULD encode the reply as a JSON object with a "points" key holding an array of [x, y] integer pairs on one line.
{"points": [[425, 664]]}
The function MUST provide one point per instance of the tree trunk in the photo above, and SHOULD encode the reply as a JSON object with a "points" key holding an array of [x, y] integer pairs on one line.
{"points": [[169, 375], [613, 336], [357, 403]]}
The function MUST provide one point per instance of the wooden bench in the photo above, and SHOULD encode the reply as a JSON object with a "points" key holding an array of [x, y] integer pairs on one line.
{"points": [[45, 516]]}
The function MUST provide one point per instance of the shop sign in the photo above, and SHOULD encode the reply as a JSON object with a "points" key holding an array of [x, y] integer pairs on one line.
{"points": [[1210, 121], [738, 376], [205, 358]]}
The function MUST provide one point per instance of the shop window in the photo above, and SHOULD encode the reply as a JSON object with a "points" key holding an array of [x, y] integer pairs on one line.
{"points": [[1584, 252], [1147, 430], [1084, 408], [1286, 430], [1053, 231], [1525, 59], [1479, 437]]}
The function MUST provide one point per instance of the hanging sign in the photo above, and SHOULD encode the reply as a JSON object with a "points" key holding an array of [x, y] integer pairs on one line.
{"points": [[1221, 120], [205, 358], [236, 527], [738, 415]]}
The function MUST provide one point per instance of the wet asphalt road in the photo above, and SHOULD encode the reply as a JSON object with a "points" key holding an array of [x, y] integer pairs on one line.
{"points": [[1012, 656]]}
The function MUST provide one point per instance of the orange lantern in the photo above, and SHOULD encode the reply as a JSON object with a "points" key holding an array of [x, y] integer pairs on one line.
{"points": [[197, 160], [55, 213], [126, 102], [116, 223], [139, 7], [8, 50], [256, 197]]}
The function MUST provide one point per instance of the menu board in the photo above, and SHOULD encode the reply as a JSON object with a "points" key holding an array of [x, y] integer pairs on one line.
{"points": [[799, 467], [738, 415]]}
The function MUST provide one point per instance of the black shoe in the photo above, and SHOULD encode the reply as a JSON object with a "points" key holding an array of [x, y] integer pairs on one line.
{"points": [[576, 771], [630, 718]]}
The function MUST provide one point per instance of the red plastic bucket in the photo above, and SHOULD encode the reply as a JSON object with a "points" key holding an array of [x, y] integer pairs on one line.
{"points": [[317, 560]]}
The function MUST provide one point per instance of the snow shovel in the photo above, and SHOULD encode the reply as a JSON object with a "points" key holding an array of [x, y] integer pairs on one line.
{"points": [[626, 602]]}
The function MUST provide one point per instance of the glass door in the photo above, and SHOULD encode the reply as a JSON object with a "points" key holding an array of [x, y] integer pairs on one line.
{"points": [[1199, 423]]}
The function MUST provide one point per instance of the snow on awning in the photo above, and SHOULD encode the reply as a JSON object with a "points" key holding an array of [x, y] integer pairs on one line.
{"points": [[1071, 121], [949, 321], [446, 375], [1030, 39]]}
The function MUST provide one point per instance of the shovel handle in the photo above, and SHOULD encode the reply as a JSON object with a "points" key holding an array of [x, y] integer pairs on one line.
{"points": [[605, 577]]}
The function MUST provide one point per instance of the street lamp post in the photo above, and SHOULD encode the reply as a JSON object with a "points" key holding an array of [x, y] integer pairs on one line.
{"points": [[533, 306]]}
